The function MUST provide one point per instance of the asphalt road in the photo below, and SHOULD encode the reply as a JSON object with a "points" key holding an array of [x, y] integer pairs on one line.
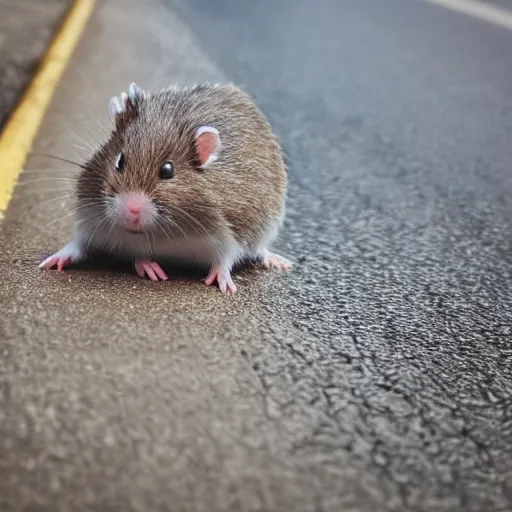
{"points": [[26, 28], [377, 375]]}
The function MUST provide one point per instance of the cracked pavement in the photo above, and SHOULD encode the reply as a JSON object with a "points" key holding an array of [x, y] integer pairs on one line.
{"points": [[375, 376]]}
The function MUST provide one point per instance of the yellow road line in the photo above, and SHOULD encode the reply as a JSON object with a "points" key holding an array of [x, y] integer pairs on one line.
{"points": [[20, 130]]}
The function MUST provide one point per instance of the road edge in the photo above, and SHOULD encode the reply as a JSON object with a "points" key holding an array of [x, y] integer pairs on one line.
{"points": [[23, 124]]}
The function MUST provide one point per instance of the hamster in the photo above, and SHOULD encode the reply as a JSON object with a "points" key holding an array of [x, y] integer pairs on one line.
{"points": [[191, 173]]}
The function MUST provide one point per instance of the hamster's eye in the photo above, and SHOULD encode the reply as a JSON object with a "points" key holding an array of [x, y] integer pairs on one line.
{"points": [[167, 171], [120, 162]]}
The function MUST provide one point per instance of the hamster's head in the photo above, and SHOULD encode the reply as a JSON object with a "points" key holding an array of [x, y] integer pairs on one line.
{"points": [[152, 175]]}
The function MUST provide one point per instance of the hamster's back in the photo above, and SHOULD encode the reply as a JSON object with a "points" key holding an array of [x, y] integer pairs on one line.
{"points": [[250, 150], [250, 168]]}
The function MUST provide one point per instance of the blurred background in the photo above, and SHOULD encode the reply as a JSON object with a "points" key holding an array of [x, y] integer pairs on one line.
{"points": [[375, 376]]}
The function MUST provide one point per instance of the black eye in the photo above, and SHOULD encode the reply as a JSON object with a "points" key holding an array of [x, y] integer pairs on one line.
{"points": [[120, 162], [167, 171]]}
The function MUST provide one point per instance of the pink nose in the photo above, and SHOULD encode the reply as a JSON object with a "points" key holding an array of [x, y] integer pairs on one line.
{"points": [[134, 206]]}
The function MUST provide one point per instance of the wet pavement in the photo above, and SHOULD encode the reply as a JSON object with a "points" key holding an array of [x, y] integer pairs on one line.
{"points": [[375, 376], [26, 28]]}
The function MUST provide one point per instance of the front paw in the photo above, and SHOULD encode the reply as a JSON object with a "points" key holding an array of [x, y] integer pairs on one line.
{"points": [[70, 253]]}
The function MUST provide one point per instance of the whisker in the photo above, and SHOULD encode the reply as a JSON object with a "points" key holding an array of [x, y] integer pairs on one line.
{"points": [[70, 179], [94, 232], [89, 204], [94, 177], [203, 231], [95, 216], [40, 192], [175, 224], [78, 213], [48, 155], [168, 234], [50, 169], [82, 148], [62, 198], [183, 212], [89, 146], [104, 129], [69, 215], [149, 245], [41, 180]]}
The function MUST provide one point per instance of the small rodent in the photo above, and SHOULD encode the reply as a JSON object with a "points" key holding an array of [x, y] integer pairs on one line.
{"points": [[192, 173]]}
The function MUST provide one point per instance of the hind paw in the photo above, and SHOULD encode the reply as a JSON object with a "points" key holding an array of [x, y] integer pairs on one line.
{"points": [[151, 269], [273, 260], [223, 278]]}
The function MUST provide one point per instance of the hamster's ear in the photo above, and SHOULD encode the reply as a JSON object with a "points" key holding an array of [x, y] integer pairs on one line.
{"points": [[125, 104], [207, 141], [115, 107], [135, 93]]}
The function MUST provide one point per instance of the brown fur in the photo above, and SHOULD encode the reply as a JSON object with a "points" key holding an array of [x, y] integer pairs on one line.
{"points": [[243, 191]]}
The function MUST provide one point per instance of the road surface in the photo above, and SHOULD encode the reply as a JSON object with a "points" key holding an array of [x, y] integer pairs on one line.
{"points": [[377, 375], [26, 28]]}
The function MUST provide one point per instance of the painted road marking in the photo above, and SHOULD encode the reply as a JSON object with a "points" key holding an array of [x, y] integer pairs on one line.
{"points": [[480, 10], [20, 130]]}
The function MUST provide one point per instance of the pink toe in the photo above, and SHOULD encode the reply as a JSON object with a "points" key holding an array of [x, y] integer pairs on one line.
{"points": [[159, 272], [48, 263], [62, 263], [223, 279], [150, 272], [210, 279], [230, 285], [139, 268], [150, 269]]}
